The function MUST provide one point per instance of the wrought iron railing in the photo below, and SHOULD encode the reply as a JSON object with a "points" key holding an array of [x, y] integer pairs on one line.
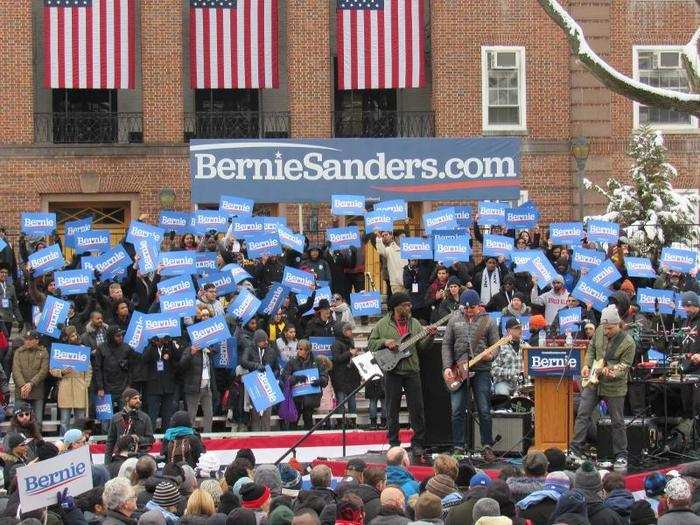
{"points": [[88, 128], [236, 125], [384, 124]]}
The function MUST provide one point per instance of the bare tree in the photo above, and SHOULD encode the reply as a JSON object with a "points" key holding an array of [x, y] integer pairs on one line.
{"points": [[622, 84]]}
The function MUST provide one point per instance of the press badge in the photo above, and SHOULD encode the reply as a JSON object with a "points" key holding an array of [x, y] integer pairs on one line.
{"points": [[160, 366], [5, 303], [414, 288]]}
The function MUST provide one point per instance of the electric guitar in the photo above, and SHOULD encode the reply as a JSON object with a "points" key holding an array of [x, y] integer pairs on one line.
{"points": [[462, 369], [596, 370], [387, 359]]}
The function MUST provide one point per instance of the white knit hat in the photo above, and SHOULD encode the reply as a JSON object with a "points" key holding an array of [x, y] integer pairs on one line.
{"points": [[610, 315]]}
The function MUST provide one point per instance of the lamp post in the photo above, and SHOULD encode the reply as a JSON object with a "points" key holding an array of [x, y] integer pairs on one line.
{"points": [[580, 147]]}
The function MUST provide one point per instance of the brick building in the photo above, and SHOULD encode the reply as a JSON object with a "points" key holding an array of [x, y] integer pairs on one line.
{"points": [[509, 49]]}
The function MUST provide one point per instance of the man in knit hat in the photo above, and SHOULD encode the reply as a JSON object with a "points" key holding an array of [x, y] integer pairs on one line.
{"points": [[394, 326], [269, 476], [441, 485], [538, 506], [612, 347], [588, 481], [485, 507], [130, 421], [256, 357], [678, 497], [256, 497], [552, 300], [535, 466], [166, 500]]}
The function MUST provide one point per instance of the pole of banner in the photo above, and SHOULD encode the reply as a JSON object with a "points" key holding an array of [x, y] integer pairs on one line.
{"points": [[300, 215]]}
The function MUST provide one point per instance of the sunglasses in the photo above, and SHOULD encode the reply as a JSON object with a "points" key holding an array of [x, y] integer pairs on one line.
{"points": [[24, 414]]}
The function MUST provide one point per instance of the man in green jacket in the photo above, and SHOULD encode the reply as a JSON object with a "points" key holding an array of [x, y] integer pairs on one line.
{"points": [[30, 366], [612, 344], [406, 376]]}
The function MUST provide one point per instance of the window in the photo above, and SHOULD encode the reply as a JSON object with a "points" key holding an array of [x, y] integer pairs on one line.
{"points": [[366, 113], [503, 88], [661, 67], [84, 116], [226, 113]]}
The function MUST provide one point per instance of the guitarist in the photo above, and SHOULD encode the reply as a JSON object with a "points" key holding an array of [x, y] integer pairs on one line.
{"points": [[470, 331], [406, 376], [612, 345]]}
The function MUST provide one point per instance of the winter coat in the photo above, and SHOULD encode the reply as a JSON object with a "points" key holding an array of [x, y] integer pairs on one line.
{"points": [[316, 327], [540, 512], [393, 261], [30, 365], [130, 423], [250, 359], [343, 314], [599, 514], [191, 367], [460, 335], [403, 479], [111, 372], [344, 374], [499, 301], [386, 329], [448, 305], [390, 516], [6, 314], [417, 278], [72, 388], [161, 382], [370, 498], [296, 364], [624, 354], [682, 516], [138, 369], [10, 463], [116, 518], [326, 495], [508, 311], [620, 500], [433, 289]]}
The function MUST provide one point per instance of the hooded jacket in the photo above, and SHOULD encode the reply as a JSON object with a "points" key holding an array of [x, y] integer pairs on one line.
{"points": [[111, 372], [621, 501], [344, 374], [402, 478]]}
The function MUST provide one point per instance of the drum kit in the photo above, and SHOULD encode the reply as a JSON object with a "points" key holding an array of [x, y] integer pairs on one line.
{"points": [[520, 402]]}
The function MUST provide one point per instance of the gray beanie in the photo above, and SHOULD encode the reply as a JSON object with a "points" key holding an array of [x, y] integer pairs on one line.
{"points": [[610, 315], [690, 298], [485, 507], [268, 476], [587, 479], [152, 517], [259, 336]]}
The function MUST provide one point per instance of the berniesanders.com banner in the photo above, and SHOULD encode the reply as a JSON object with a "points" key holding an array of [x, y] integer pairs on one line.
{"points": [[409, 168]]}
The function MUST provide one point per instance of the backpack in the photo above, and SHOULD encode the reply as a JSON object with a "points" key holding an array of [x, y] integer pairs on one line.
{"points": [[180, 450]]}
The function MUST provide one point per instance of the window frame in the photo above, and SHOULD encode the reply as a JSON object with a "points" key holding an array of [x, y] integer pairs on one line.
{"points": [[693, 125], [522, 89]]}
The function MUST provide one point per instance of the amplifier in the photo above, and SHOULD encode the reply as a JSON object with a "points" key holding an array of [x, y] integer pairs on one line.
{"points": [[516, 431], [642, 435]]}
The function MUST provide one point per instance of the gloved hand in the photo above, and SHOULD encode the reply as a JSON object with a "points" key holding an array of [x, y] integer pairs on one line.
{"points": [[316, 382], [65, 500]]}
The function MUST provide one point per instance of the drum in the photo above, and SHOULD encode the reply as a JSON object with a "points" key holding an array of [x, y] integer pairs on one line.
{"points": [[521, 404], [500, 402]]}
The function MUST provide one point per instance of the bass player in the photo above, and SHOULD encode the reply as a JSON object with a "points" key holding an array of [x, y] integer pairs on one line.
{"points": [[387, 333], [470, 331]]}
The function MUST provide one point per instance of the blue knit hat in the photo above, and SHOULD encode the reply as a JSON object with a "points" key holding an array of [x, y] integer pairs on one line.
{"points": [[469, 298], [480, 479]]}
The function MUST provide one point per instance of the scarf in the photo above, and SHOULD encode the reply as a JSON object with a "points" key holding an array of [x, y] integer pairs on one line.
{"points": [[176, 432], [538, 496], [490, 285]]}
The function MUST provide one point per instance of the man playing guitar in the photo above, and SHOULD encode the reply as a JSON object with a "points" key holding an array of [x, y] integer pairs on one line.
{"points": [[609, 356], [470, 331], [406, 375]]}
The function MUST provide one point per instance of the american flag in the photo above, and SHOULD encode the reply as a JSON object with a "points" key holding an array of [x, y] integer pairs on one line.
{"points": [[380, 44], [233, 44], [90, 44]]}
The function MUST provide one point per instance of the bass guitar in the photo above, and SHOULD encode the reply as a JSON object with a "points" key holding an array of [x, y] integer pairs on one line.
{"points": [[462, 369]]}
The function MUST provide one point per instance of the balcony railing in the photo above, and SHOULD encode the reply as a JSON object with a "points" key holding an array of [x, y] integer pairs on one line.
{"points": [[88, 128], [236, 125], [383, 124]]}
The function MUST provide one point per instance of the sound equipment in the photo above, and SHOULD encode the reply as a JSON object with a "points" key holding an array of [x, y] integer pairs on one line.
{"points": [[643, 436], [515, 429], [436, 399]]}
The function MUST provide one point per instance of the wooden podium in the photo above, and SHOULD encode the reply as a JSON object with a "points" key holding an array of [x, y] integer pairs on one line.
{"points": [[554, 404]]}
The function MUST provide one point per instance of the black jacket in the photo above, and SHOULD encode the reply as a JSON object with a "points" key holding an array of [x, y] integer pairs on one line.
{"points": [[161, 382], [296, 364], [599, 514], [250, 360], [112, 362], [318, 328], [344, 374], [191, 371], [370, 497], [127, 424], [420, 276]]}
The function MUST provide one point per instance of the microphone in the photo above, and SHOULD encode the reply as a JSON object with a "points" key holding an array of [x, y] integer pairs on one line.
{"points": [[497, 439]]}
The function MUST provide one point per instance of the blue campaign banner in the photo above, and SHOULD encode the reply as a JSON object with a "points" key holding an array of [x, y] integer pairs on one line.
{"points": [[397, 209], [416, 248], [263, 389], [92, 241], [602, 231], [587, 291], [3, 244], [566, 232], [492, 213], [140, 230], [680, 309], [348, 204], [224, 282], [55, 312], [76, 357], [366, 303], [148, 252], [244, 227], [103, 407], [244, 306], [272, 224], [237, 271], [291, 240], [306, 388], [341, 238], [73, 282], [205, 262], [322, 292], [498, 245], [46, 260], [322, 346], [378, 221], [449, 235], [463, 216], [208, 220], [496, 316], [679, 259], [540, 267], [298, 281], [72, 228], [584, 258], [112, 262], [639, 267], [522, 257], [135, 335], [263, 245], [604, 274], [178, 263], [448, 251], [162, 324], [225, 354], [523, 217], [379, 168], [274, 299], [236, 206], [553, 362], [36, 224], [442, 219], [175, 221], [569, 320], [87, 262], [209, 332], [175, 285], [649, 298], [183, 304]]}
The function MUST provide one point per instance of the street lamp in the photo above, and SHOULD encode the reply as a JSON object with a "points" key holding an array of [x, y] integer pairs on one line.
{"points": [[580, 147]]}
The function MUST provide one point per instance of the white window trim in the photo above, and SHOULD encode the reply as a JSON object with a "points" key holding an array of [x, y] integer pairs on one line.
{"points": [[522, 90], [635, 74]]}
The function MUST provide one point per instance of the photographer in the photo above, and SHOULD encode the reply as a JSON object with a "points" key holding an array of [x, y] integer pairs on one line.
{"points": [[111, 372], [161, 357], [130, 421]]}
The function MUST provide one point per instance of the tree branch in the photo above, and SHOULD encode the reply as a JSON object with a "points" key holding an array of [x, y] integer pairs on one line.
{"points": [[616, 81], [691, 61]]}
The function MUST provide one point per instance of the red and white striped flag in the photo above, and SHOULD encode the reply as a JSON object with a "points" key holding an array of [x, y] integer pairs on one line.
{"points": [[233, 44], [380, 44], [90, 44]]}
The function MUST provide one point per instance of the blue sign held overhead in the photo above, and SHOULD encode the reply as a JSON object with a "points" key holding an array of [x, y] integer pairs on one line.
{"points": [[523, 217], [586, 259], [604, 274], [497, 245], [161, 325], [442, 219], [37, 224], [244, 306], [236, 206], [76, 357], [175, 221], [492, 213], [54, 313], [569, 320], [322, 346], [602, 231], [87, 262], [209, 332], [182, 304], [206, 262], [679, 259], [298, 281], [291, 240], [263, 245], [112, 262], [73, 282], [397, 209], [237, 271], [148, 252], [263, 389], [46, 260], [540, 267], [208, 220], [463, 216], [272, 225], [139, 230], [91, 241], [587, 291], [72, 228], [223, 282], [3, 244], [416, 248], [348, 204], [650, 298], [448, 251], [225, 354], [244, 227], [274, 299], [639, 267], [366, 303], [378, 221], [566, 232], [522, 257], [178, 263], [341, 238], [135, 335], [175, 285]]}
